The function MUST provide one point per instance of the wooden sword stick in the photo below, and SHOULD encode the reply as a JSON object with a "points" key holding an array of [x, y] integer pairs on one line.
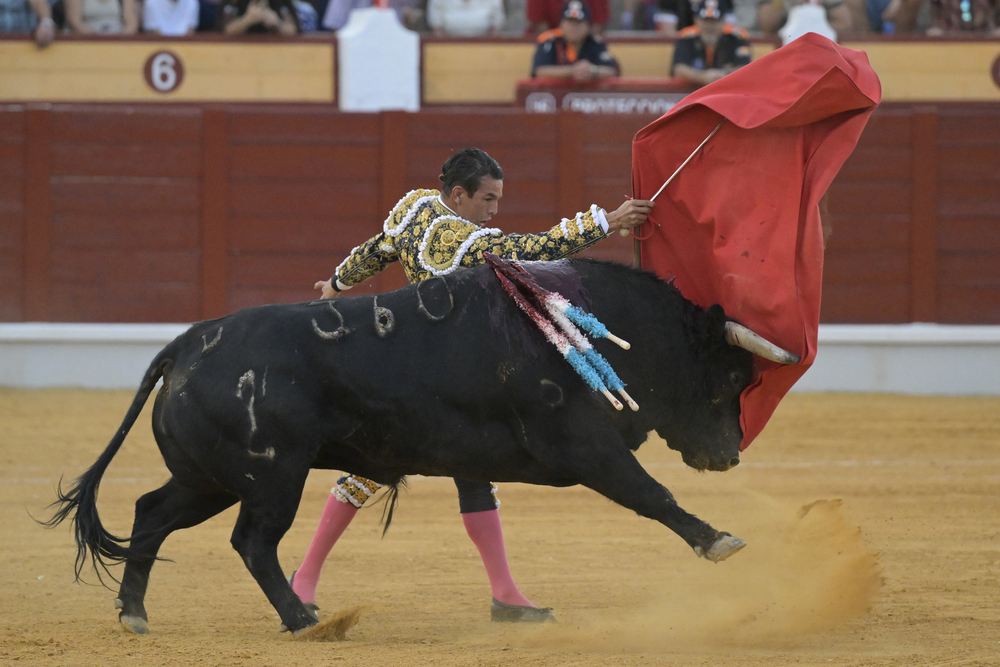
{"points": [[683, 164], [625, 232]]}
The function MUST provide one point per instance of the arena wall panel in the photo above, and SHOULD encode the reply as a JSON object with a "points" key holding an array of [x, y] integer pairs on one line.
{"points": [[162, 213]]}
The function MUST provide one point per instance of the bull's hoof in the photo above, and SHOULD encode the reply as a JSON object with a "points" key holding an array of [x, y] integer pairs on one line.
{"points": [[134, 624], [721, 549], [312, 608], [512, 613]]}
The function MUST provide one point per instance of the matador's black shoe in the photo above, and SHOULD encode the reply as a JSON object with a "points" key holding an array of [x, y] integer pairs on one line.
{"points": [[512, 613]]}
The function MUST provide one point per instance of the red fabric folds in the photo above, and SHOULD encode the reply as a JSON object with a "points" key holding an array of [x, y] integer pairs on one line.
{"points": [[740, 224]]}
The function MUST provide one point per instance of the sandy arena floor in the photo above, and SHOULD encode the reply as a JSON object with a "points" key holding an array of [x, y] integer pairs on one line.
{"points": [[872, 522]]}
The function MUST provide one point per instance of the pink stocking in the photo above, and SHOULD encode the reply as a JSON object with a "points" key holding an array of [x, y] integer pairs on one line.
{"points": [[485, 532], [336, 517]]}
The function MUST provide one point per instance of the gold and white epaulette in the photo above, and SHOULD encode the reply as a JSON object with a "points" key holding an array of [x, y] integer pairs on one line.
{"points": [[405, 209], [446, 241]]}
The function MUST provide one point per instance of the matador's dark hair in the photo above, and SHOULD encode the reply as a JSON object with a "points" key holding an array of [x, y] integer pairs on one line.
{"points": [[467, 168]]}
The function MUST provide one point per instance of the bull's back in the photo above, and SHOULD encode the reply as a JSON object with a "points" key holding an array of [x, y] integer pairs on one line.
{"points": [[400, 354]]}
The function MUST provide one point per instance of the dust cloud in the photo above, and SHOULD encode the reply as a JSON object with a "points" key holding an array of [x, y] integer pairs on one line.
{"points": [[805, 570], [333, 628]]}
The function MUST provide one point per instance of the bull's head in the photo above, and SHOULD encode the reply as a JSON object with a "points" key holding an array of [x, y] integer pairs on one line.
{"points": [[706, 428]]}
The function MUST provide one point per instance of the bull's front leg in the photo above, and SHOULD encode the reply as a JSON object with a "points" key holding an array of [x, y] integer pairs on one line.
{"points": [[628, 484], [599, 459]]}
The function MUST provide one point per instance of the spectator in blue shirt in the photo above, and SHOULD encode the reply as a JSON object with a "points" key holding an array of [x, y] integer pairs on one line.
{"points": [[26, 17]]}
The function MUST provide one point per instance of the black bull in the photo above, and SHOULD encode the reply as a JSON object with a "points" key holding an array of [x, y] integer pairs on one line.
{"points": [[444, 378]]}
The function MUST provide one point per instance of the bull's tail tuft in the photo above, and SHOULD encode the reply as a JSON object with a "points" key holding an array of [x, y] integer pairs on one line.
{"points": [[93, 541], [79, 503], [391, 500]]}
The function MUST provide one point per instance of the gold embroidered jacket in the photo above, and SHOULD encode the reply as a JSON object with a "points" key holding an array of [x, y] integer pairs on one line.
{"points": [[429, 239]]}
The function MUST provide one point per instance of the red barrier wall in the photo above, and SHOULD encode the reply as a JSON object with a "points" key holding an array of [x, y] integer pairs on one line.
{"points": [[179, 213]]}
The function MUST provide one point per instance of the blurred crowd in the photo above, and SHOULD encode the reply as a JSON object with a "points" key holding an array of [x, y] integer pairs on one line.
{"points": [[479, 18]]}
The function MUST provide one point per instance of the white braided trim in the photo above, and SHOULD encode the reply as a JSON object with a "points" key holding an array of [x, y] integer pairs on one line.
{"points": [[579, 223], [387, 249], [600, 216], [462, 249], [564, 228], [409, 215], [385, 225], [340, 266]]}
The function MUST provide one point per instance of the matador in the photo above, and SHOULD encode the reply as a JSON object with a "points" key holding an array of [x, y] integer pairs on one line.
{"points": [[434, 233]]}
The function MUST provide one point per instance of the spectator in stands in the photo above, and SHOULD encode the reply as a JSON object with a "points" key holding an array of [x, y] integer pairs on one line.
{"points": [[886, 16], [667, 16], [964, 16], [744, 14], [571, 51], [465, 18], [308, 16], [336, 12], [172, 18], [772, 14], [544, 15], [259, 17], [711, 48], [102, 17], [27, 16], [866, 15]]}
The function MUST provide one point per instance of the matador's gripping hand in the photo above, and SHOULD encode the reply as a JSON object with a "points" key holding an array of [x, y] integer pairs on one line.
{"points": [[630, 214]]}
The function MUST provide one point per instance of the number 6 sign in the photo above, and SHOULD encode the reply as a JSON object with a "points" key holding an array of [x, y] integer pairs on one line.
{"points": [[164, 71]]}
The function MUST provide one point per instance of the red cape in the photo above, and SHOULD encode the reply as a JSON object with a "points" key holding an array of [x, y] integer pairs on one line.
{"points": [[740, 225]]}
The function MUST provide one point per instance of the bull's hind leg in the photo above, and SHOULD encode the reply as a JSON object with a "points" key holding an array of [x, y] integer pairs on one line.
{"points": [[263, 521], [157, 514]]}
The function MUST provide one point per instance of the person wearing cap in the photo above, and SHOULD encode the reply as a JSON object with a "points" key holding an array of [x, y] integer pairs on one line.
{"points": [[711, 48], [571, 51], [671, 16]]}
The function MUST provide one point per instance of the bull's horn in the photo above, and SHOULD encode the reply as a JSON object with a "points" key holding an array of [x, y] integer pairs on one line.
{"points": [[740, 336]]}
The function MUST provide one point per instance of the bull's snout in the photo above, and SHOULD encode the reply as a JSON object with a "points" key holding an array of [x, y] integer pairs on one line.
{"points": [[723, 466], [711, 463]]}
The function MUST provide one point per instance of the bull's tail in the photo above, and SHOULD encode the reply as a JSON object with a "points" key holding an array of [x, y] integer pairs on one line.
{"points": [[93, 541], [391, 500]]}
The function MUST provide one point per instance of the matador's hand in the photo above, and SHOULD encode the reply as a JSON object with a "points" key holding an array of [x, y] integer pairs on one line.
{"points": [[630, 214], [326, 288]]}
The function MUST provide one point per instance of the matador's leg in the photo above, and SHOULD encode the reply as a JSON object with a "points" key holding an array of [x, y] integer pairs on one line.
{"points": [[478, 504], [346, 498]]}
